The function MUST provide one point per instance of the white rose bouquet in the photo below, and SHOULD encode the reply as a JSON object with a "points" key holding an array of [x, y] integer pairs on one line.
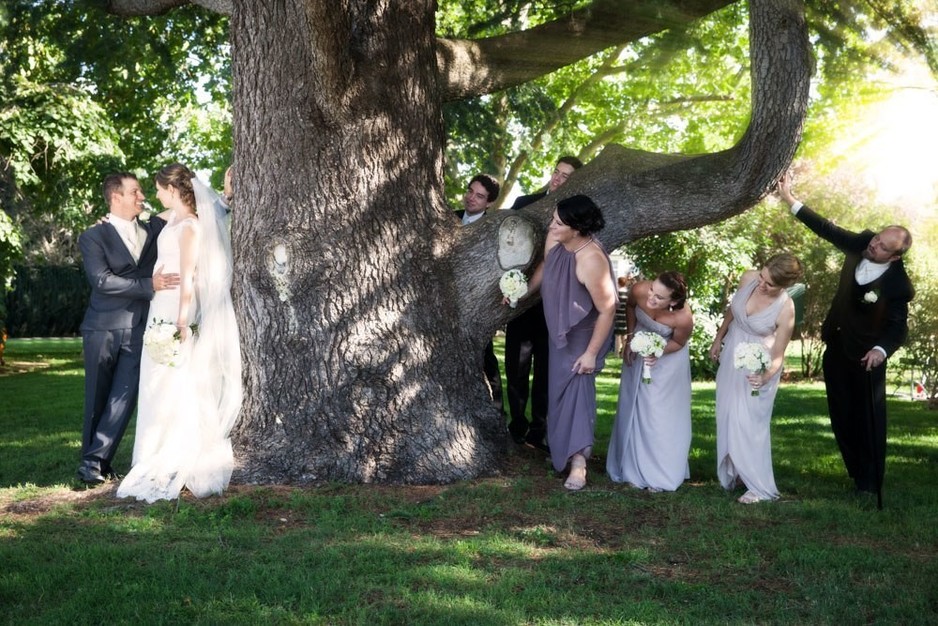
{"points": [[162, 341], [514, 286], [646, 343], [753, 357]]}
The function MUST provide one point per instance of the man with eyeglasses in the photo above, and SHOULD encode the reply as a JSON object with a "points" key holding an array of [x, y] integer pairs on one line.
{"points": [[867, 322]]}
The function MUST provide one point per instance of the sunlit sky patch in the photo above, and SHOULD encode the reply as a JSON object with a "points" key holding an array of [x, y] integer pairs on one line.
{"points": [[895, 149]]}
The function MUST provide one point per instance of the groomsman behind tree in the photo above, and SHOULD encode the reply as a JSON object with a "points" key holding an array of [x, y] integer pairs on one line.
{"points": [[481, 194], [526, 343]]}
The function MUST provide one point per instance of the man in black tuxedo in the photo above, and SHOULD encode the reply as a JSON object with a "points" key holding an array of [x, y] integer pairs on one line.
{"points": [[866, 323], [118, 256], [481, 194], [526, 342]]}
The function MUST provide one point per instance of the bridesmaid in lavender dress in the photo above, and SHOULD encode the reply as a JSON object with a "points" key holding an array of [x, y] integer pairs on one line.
{"points": [[760, 312], [651, 436], [579, 293]]}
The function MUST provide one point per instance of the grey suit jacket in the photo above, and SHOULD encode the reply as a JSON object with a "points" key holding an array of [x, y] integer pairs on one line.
{"points": [[120, 288]]}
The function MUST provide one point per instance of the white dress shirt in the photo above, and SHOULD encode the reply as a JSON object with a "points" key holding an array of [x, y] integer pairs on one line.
{"points": [[866, 271], [132, 234], [468, 218]]}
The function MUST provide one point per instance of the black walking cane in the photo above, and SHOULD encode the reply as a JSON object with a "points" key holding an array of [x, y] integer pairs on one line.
{"points": [[874, 443]]}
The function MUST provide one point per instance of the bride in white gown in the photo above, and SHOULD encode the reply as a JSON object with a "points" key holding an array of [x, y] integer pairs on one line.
{"points": [[186, 410]]}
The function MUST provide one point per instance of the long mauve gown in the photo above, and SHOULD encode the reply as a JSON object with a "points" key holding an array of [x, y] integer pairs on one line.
{"points": [[571, 318], [744, 443], [651, 436]]}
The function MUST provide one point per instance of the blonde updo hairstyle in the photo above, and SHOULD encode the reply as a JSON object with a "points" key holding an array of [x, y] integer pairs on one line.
{"points": [[785, 269], [179, 177]]}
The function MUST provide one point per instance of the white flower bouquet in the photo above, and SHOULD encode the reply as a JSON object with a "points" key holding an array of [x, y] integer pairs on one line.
{"points": [[163, 342], [753, 357], [514, 286], [646, 343]]}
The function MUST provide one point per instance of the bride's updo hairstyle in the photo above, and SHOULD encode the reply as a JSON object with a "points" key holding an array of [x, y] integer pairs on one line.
{"points": [[785, 269], [675, 282], [581, 214], [180, 177]]}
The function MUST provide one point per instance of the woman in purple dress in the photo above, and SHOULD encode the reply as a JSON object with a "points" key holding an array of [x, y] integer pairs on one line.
{"points": [[579, 292]]}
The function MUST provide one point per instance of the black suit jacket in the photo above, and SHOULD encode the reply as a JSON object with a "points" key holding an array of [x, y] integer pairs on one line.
{"points": [[853, 322], [120, 288], [459, 214], [523, 201]]}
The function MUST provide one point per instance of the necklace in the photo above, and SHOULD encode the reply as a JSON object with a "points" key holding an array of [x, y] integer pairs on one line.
{"points": [[588, 241]]}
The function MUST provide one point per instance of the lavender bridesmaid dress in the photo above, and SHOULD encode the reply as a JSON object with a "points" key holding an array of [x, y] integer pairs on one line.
{"points": [[571, 318]]}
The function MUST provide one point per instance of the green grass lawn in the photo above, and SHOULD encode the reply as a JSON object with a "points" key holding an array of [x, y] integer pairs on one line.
{"points": [[514, 549]]}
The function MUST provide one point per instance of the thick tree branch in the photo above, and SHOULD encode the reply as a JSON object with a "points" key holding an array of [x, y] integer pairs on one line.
{"points": [[474, 67], [708, 188], [134, 8], [643, 193]]}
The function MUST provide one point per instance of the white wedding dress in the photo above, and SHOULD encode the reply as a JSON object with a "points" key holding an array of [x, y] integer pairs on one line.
{"points": [[185, 411]]}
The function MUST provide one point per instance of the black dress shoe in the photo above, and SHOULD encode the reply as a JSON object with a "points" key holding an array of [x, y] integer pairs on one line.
{"points": [[90, 476]]}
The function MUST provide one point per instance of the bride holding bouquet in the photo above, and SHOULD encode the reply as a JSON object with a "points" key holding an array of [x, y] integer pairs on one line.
{"points": [[651, 436], [190, 372]]}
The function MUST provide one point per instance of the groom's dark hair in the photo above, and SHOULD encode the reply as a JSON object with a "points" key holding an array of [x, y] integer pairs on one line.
{"points": [[113, 184]]}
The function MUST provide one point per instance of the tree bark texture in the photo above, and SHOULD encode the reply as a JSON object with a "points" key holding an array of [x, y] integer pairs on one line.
{"points": [[360, 365]]}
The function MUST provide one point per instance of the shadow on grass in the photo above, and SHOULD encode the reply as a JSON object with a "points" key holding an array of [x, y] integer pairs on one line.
{"points": [[509, 550]]}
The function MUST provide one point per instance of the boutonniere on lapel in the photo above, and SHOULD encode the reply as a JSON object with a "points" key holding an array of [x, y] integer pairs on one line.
{"points": [[871, 296]]}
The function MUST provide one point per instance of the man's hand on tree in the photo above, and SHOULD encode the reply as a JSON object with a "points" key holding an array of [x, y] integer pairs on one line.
{"points": [[784, 188]]}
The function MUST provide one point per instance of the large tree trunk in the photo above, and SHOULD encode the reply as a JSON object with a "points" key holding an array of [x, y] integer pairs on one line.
{"points": [[359, 367]]}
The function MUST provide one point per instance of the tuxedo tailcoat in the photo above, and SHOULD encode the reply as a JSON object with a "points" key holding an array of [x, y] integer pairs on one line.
{"points": [[860, 317]]}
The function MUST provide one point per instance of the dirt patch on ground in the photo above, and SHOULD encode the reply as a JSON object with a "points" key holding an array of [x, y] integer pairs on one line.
{"points": [[9, 368], [595, 521], [34, 507]]}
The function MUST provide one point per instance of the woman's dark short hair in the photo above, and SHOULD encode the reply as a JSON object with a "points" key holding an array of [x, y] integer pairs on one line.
{"points": [[581, 214], [675, 282]]}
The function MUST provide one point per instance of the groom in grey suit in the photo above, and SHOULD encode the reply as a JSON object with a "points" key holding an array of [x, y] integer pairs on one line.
{"points": [[118, 256]]}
